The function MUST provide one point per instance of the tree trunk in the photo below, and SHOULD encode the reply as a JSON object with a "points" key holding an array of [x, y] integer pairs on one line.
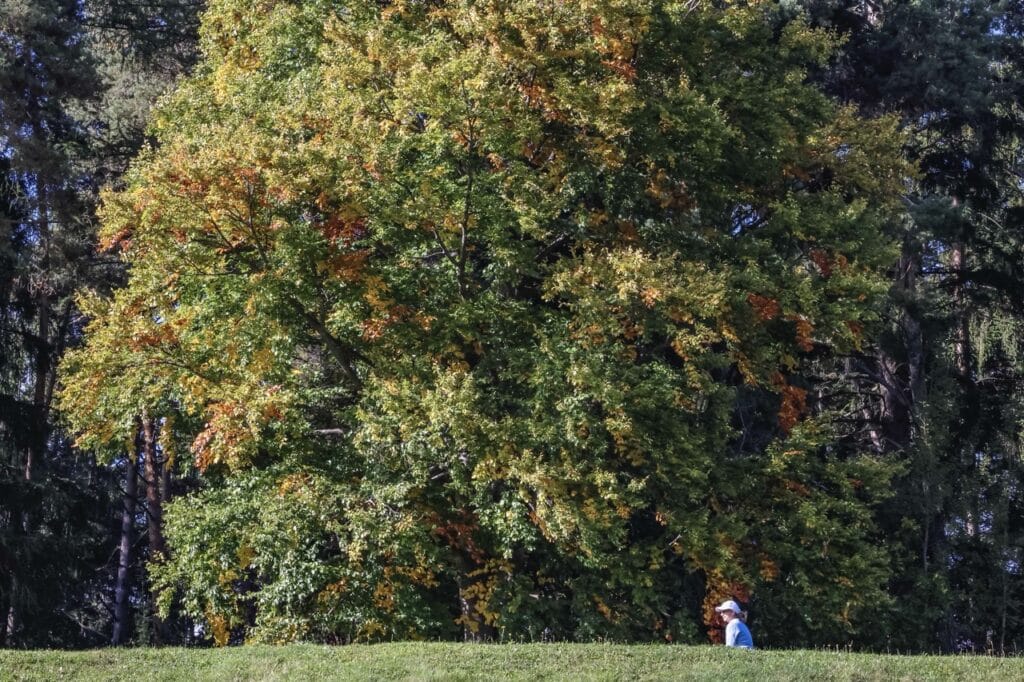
{"points": [[165, 481], [154, 503], [153, 477], [122, 589], [915, 392], [11, 621], [472, 581], [902, 381], [4, 608], [961, 333]]}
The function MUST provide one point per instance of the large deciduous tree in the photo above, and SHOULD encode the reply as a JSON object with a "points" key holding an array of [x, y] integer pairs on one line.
{"points": [[494, 318]]}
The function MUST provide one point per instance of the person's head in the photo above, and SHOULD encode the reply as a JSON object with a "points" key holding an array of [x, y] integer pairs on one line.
{"points": [[728, 610]]}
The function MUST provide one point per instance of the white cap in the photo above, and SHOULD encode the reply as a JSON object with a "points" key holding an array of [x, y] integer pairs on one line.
{"points": [[729, 605]]}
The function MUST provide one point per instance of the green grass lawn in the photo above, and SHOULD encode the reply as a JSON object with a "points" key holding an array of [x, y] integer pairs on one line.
{"points": [[410, 661]]}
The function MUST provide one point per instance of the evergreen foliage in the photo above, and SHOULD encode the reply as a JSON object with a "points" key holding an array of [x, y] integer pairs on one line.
{"points": [[62, 136], [943, 380]]}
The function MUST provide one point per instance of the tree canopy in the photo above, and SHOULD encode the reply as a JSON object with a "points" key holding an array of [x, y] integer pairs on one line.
{"points": [[461, 307]]}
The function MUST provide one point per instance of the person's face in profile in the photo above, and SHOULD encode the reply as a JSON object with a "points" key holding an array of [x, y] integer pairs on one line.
{"points": [[727, 615]]}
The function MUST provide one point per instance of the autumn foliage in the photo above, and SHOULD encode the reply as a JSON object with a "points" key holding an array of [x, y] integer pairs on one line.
{"points": [[456, 303]]}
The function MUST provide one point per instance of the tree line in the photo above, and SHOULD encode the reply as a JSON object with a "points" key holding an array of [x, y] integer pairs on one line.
{"points": [[511, 320]]}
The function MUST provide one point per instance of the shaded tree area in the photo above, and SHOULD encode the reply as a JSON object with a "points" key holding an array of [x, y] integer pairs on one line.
{"points": [[74, 90], [941, 386]]}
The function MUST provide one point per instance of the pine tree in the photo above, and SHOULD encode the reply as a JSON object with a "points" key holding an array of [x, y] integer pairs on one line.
{"points": [[945, 373], [61, 138]]}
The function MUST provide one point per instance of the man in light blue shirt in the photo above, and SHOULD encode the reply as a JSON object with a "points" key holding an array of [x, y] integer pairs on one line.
{"points": [[737, 634]]}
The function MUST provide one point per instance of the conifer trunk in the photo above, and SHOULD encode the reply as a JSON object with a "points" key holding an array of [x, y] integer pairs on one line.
{"points": [[154, 502], [11, 621], [961, 336], [123, 586], [154, 508], [902, 390], [3, 623]]}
